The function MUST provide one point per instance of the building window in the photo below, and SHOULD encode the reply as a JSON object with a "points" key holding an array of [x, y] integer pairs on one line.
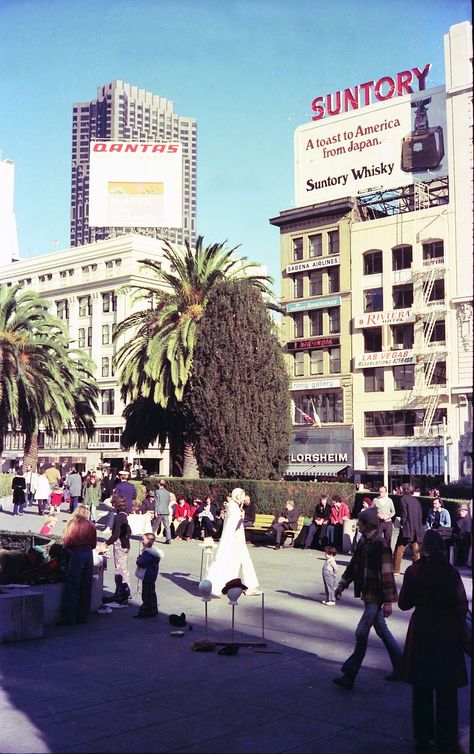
{"points": [[392, 423], [62, 309], [373, 262], [327, 405], [316, 362], [375, 458], [334, 319], [433, 250], [108, 435], [82, 337], [315, 283], [402, 337], [373, 380], [105, 366], [298, 366], [402, 296], [297, 249], [89, 336], [85, 306], [316, 323], [105, 335], [373, 300], [373, 340], [298, 286], [333, 280], [298, 326], [437, 291], [438, 334], [333, 241], [107, 399], [404, 376], [334, 360], [439, 373], [109, 302], [316, 245], [402, 257]]}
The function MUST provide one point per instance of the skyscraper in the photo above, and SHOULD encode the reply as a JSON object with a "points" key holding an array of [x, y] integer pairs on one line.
{"points": [[123, 112]]}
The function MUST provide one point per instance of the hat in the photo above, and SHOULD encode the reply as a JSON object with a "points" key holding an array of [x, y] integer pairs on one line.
{"points": [[177, 620], [370, 517], [232, 584], [367, 500], [151, 493], [463, 507], [124, 473]]}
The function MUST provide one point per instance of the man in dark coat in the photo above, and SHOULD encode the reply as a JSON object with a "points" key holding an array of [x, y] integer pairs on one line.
{"points": [[411, 528], [162, 510], [319, 523], [287, 520]]}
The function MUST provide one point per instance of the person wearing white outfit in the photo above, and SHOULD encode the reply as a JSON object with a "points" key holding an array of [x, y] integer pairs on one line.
{"points": [[232, 553]]}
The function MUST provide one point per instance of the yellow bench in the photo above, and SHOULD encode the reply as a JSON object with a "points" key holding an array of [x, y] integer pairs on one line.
{"points": [[263, 522]]}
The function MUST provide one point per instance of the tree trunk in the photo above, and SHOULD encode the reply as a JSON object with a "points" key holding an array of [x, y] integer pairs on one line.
{"points": [[30, 455], [190, 467]]}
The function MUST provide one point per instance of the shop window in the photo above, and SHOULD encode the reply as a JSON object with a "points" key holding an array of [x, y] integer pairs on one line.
{"points": [[402, 337], [298, 286], [333, 280], [374, 380], [402, 257], [317, 362], [316, 323], [373, 300], [333, 241], [373, 263], [298, 364], [373, 340], [334, 319], [297, 249], [315, 283], [404, 376], [334, 360], [402, 296], [316, 245], [298, 327], [375, 458]]}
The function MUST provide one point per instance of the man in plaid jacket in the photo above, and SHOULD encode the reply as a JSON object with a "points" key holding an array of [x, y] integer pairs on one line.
{"points": [[371, 570]]}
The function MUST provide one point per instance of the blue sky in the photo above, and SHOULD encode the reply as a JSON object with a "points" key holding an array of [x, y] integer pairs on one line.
{"points": [[246, 69]]}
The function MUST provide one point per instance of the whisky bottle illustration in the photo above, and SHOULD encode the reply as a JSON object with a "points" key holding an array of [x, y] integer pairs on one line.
{"points": [[423, 148]]}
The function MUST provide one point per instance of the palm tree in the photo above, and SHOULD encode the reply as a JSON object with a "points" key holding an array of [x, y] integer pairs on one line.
{"points": [[155, 362], [42, 382]]}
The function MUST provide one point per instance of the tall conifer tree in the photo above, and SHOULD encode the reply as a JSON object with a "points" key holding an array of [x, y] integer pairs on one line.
{"points": [[239, 398]]}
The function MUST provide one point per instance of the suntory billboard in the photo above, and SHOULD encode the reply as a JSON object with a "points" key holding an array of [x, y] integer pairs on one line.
{"points": [[135, 184], [381, 146]]}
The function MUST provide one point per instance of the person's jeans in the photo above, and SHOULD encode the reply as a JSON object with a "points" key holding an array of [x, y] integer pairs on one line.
{"points": [[73, 503], [162, 518], [18, 508], [78, 589], [372, 616]]}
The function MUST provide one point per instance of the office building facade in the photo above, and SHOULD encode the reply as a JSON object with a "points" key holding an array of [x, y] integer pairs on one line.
{"points": [[399, 172], [85, 286], [122, 113]]}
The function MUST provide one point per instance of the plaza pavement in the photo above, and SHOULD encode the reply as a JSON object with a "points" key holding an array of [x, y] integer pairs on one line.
{"points": [[122, 685]]}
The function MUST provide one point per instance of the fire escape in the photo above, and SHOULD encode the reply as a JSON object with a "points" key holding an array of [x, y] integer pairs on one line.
{"points": [[426, 393]]}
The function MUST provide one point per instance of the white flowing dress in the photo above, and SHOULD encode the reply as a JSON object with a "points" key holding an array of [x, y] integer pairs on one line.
{"points": [[232, 554]]}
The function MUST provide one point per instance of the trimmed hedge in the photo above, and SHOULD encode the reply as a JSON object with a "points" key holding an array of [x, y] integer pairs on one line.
{"points": [[269, 497]]}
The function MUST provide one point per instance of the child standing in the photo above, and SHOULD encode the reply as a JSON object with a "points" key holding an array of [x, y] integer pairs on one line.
{"points": [[48, 525], [330, 575], [149, 560]]}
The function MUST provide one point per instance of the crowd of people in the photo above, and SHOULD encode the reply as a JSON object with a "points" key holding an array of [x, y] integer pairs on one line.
{"points": [[432, 584]]}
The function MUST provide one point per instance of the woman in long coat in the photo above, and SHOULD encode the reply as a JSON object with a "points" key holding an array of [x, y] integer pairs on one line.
{"points": [[433, 660]]}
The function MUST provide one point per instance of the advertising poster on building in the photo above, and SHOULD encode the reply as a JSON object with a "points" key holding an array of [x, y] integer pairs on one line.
{"points": [[135, 184], [381, 146]]}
